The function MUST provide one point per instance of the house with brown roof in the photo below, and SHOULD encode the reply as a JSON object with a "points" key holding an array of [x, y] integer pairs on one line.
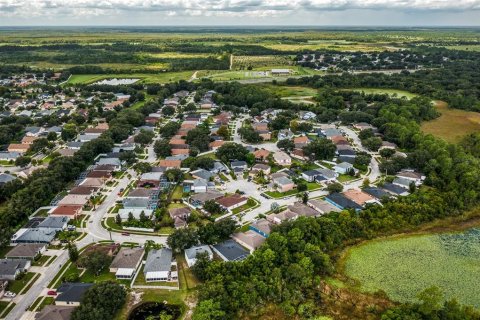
{"points": [[52, 312], [71, 211], [104, 175], [170, 164], [94, 131], [18, 147], [231, 202], [249, 239], [260, 167], [126, 262], [214, 145], [74, 200], [359, 197], [88, 191], [180, 216], [27, 251], [92, 182], [178, 151], [261, 155], [28, 139], [301, 140]]}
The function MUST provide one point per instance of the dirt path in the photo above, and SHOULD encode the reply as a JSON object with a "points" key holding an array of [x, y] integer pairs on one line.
{"points": [[193, 77], [231, 62]]}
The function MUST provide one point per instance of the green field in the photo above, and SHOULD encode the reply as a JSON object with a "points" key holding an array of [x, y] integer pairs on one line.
{"points": [[391, 92], [404, 266], [453, 124], [162, 77]]}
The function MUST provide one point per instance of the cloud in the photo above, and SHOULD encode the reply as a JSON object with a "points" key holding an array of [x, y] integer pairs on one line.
{"points": [[52, 9]]}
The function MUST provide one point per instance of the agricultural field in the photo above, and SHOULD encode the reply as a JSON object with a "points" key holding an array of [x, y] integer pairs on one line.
{"points": [[453, 124], [390, 92], [404, 266], [250, 62]]}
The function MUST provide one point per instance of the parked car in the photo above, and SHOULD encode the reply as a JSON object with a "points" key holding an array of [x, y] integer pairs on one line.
{"points": [[9, 294], [125, 234], [52, 293]]}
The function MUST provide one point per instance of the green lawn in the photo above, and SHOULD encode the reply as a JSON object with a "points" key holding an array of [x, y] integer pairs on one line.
{"points": [[161, 77], [276, 194], [140, 281], [40, 261], [246, 206], [5, 308], [18, 285], [345, 178], [177, 193]]}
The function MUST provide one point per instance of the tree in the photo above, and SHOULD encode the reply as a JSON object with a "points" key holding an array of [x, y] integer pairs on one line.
{"points": [[286, 145], [302, 187], [168, 111], [39, 145], [387, 153], [212, 233], [190, 107], [232, 151], [101, 302], [250, 135], [223, 132], [118, 220], [144, 137], [174, 175], [162, 148], [182, 239], [72, 252], [431, 299], [320, 149], [129, 157], [335, 187], [169, 130], [69, 132], [95, 261], [208, 310], [202, 262], [372, 144], [206, 163], [365, 134], [362, 159], [304, 127], [22, 161], [142, 167], [52, 136], [199, 138], [212, 207], [305, 197]]}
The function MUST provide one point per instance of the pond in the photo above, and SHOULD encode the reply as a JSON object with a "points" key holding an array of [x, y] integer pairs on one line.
{"points": [[154, 311], [404, 266], [116, 82]]}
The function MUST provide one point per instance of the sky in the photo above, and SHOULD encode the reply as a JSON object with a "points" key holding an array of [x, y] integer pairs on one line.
{"points": [[239, 12]]}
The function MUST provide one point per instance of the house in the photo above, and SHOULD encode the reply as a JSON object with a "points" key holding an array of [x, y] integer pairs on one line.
{"points": [[249, 239], [33, 131], [363, 126], [262, 226], [261, 155], [282, 184], [28, 139], [198, 199], [359, 197], [52, 312], [86, 137], [74, 200], [11, 268], [180, 216], [5, 178], [150, 178], [310, 175], [71, 294], [214, 145], [229, 250], [28, 251], [411, 175], [191, 254], [302, 210], [18, 147], [136, 203], [72, 212], [343, 168], [332, 132], [282, 159], [219, 167], [158, 266], [403, 182], [168, 164], [75, 145], [83, 190], [395, 190], [115, 162], [239, 165], [387, 145], [126, 262], [322, 206], [231, 202], [260, 167], [280, 72], [342, 202], [66, 152], [202, 174], [285, 134], [125, 213], [9, 155], [142, 193], [377, 193], [54, 223], [34, 235]]}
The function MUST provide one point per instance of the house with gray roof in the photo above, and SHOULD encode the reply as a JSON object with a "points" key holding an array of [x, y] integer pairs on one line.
{"points": [[11, 268], [136, 203], [55, 223], [9, 155], [52, 312], [5, 177], [158, 266], [71, 294], [34, 235], [202, 174], [229, 250], [27, 251], [191, 254]]}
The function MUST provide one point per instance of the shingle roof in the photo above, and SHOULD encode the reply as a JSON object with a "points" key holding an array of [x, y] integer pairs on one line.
{"points": [[26, 250], [127, 258], [72, 292], [231, 250], [158, 260], [9, 267]]}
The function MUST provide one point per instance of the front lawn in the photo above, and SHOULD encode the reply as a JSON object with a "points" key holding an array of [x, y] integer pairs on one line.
{"points": [[251, 203], [18, 285], [345, 178], [277, 194], [40, 261]]}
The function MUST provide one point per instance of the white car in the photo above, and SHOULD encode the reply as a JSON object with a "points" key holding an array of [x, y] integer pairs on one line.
{"points": [[9, 294]]}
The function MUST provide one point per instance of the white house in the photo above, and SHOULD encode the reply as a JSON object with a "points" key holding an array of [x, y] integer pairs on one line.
{"points": [[191, 254]]}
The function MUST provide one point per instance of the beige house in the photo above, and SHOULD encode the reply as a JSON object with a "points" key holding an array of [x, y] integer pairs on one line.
{"points": [[282, 159], [126, 262]]}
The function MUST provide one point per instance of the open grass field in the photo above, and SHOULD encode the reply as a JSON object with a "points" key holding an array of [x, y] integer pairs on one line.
{"points": [[404, 266], [391, 92], [291, 91], [244, 62], [453, 124], [161, 77], [473, 47]]}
